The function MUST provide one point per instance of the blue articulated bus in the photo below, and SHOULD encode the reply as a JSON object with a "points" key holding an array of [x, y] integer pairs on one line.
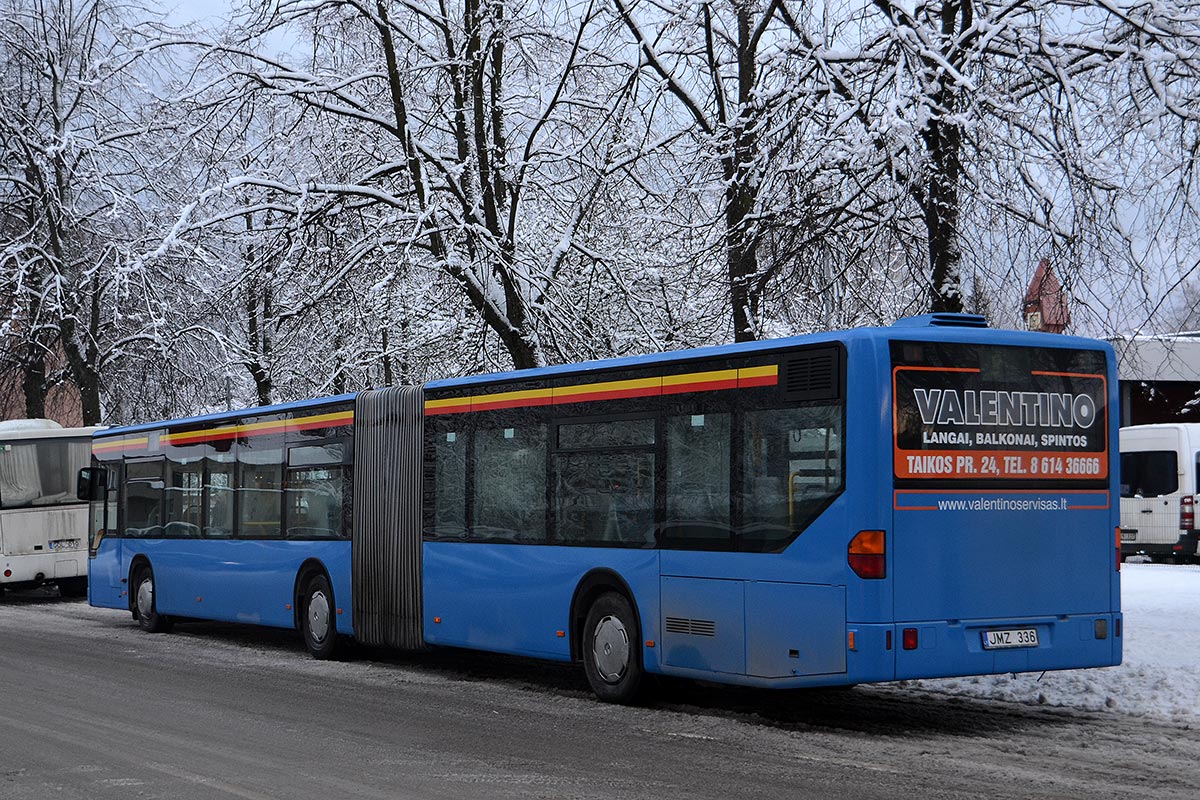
{"points": [[929, 499]]}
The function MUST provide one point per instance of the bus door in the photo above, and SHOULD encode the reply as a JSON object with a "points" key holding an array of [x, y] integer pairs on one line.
{"points": [[1001, 500], [105, 572]]}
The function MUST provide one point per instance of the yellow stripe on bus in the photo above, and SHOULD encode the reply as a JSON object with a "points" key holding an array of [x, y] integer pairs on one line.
{"points": [[259, 427], [759, 372], [633, 387]]}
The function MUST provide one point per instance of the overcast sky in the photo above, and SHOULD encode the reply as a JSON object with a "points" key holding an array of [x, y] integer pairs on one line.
{"points": [[196, 10]]}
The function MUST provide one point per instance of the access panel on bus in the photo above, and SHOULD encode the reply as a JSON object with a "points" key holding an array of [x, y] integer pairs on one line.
{"points": [[1004, 525]]}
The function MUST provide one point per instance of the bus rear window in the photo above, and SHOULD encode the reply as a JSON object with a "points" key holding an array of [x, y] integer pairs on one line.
{"points": [[1151, 473], [980, 415], [41, 472]]}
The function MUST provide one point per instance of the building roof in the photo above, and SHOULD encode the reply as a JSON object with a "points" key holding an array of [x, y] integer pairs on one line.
{"points": [[1160, 357]]}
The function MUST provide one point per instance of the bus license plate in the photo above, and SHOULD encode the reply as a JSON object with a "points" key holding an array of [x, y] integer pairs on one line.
{"points": [[1015, 637]]}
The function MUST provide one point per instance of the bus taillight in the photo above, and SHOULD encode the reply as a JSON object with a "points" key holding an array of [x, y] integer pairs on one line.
{"points": [[1118, 548], [867, 554], [1187, 513]]}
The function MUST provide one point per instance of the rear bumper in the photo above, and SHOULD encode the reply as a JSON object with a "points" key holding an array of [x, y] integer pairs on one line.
{"points": [[1189, 544], [946, 649], [1147, 548], [38, 568]]}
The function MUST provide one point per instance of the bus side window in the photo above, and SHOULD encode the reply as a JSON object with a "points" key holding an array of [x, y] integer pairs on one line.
{"points": [[143, 499], [317, 492], [260, 495], [792, 468], [510, 484], [218, 502], [604, 483], [449, 502], [184, 495], [697, 488]]}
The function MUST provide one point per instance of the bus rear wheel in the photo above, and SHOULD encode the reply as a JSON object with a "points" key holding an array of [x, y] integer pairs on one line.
{"points": [[145, 604], [317, 620], [612, 656]]}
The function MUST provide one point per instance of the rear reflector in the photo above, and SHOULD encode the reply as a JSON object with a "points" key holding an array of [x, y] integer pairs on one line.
{"points": [[867, 554]]}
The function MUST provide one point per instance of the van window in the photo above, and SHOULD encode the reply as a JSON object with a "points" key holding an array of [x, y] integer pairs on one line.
{"points": [[1149, 474]]}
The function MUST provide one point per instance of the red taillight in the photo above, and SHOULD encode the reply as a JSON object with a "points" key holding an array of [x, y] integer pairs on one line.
{"points": [[867, 554], [909, 638], [1187, 513], [1118, 548]]}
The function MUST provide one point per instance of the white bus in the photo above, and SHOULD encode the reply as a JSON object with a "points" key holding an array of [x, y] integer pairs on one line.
{"points": [[43, 525]]}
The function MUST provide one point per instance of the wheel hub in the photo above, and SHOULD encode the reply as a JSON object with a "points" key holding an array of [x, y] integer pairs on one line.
{"points": [[610, 649], [318, 616], [145, 598]]}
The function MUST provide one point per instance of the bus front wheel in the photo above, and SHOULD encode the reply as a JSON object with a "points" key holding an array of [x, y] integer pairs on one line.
{"points": [[317, 623], [144, 602], [612, 656]]}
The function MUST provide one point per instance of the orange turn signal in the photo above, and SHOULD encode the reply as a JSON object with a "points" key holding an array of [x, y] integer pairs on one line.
{"points": [[867, 554]]}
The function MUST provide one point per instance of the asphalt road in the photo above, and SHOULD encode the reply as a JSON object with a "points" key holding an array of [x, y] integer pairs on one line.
{"points": [[91, 707]]}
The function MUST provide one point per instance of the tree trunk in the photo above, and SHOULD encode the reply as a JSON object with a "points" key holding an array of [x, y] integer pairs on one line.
{"points": [[33, 383], [741, 193]]}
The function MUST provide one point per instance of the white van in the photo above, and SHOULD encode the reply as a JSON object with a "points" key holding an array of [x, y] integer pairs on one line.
{"points": [[1160, 481]]}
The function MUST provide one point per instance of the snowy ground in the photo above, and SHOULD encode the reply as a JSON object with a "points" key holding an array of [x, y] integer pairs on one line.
{"points": [[1160, 676]]}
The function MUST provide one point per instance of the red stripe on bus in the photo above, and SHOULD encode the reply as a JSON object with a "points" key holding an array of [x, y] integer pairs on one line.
{"points": [[581, 394], [762, 380], [196, 437], [454, 409], [220, 434], [701, 386], [612, 394], [485, 405]]}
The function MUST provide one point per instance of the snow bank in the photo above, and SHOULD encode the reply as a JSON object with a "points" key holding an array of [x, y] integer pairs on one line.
{"points": [[1160, 675]]}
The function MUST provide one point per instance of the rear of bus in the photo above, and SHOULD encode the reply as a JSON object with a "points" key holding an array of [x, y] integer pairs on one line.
{"points": [[1005, 553]]}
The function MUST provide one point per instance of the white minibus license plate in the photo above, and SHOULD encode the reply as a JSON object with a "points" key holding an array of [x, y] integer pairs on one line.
{"points": [[1015, 637]]}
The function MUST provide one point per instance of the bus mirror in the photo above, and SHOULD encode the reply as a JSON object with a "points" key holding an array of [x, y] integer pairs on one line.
{"points": [[93, 482]]}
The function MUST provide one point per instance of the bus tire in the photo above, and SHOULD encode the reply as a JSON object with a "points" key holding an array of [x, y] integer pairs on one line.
{"points": [[612, 657], [317, 622], [72, 587], [146, 604]]}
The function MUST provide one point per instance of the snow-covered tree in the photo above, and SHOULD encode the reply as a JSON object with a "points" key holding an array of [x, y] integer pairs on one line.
{"points": [[73, 167]]}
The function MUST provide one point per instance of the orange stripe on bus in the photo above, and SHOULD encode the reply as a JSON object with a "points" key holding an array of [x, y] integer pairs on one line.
{"points": [[122, 444], [225, 432], [715, 380]]}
